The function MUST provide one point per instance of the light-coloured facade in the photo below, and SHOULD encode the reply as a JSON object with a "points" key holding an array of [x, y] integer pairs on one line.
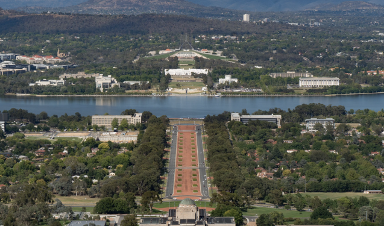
{"points": [[227, 78], [45, 82], [103, 82], [106, 120], [310, 123], [79, 75], [246, 18], [36, 59], [4, 117], [291, 74], [246, 118], [135, 82], [185, 72], [318, 82], [124, 137], [187, 214]]}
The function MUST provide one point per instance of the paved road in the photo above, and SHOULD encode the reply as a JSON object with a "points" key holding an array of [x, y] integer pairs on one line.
{"points": [[172, 165], [202, 169]]}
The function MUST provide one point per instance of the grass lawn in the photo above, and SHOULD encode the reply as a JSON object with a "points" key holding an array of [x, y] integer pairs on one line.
{"points": [[77, 200], [212, 56], [61, 222], [37, 138], [183, 85], [161, 56], [287, 213], [78, 209], [337, 195], [176, 204]]}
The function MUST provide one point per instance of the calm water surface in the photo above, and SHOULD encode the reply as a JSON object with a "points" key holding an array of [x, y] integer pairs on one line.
{"points": [[179, 106]]}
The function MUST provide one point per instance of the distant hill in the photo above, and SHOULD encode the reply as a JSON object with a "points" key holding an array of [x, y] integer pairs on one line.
{"points": [[11, 4], [129, 7], [349, 6], [274, 5]]}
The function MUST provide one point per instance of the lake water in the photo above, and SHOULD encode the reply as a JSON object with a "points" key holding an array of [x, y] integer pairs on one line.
{"points": [[179, 106]]}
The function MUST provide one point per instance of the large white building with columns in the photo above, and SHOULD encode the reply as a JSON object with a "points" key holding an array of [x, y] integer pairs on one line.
{"points": [[318, 82]]}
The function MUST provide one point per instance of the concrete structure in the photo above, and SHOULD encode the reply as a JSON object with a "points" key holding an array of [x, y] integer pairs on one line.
{"points": [[36, 59], [4, 117], [246, 118], [373, 192], [318, 82], [106, 120], [185, 72], [291, 74], [79, 75], [45, 82], [8, 56], [187, 214], [105, 82], [82, 223], [228, 78], [310, 123], [124, 137], [246, 18], [135, 82]]}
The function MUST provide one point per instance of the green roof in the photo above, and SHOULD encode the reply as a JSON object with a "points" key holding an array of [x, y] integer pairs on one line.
{"points": [[187, 202]]}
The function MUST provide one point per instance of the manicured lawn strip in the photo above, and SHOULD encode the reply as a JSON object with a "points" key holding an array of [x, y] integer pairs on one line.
{"points": [[337, 195], [78, 209], [176, 204], [287, 213]]}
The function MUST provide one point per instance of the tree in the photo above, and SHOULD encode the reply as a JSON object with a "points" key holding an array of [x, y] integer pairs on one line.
{"points": [[148, 199], [115, 123], [299, 202], [104, 205], [321, 212], [264, 220], [124, 124], [276, 197], [238, 215], [129, 220], [129, 112], [2, 135]]}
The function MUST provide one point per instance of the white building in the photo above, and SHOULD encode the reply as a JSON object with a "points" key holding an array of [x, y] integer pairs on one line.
{"points": [[291, 74], [3, 119], [79, 75], [135, 82], [45, 82], [310, 123], [106, 120], [246, 118], [185, 72], [36, 59], [105, 82], [318, 82], [246, 18], [228, 78]]}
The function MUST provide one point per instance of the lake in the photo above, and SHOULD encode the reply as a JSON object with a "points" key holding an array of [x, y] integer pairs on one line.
{"points": [[179, 106]]}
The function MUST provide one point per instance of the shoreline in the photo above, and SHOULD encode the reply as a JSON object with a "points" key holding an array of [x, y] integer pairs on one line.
{"points": [[185, 95]]}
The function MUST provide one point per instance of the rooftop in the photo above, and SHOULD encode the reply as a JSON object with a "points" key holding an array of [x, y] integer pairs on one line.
{"points": [[187, 202]]}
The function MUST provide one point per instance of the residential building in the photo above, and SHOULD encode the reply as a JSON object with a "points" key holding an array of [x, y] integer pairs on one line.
{"points": [[310, 123], [4, 117], [187, 214], [291, 151], [185, 72], [227, 78], [103, 82], [246, 118], [291, 74], [79, 75], [45, 82], [106, 120], [318, 82], [246, 18]]}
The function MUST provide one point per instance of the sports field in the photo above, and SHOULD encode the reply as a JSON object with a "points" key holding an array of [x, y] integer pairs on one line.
{"points": [[337, 195], [287, 213]]}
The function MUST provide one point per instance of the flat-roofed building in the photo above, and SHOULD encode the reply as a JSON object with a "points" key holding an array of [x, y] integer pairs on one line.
{"points": [[227, 78], [185, 72], [106, 120], [246, 118], [103, 82], [4, 117], [291, 74], [45, 82], [187, 214], [79, 75], [310, 123], [318, 82]]}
